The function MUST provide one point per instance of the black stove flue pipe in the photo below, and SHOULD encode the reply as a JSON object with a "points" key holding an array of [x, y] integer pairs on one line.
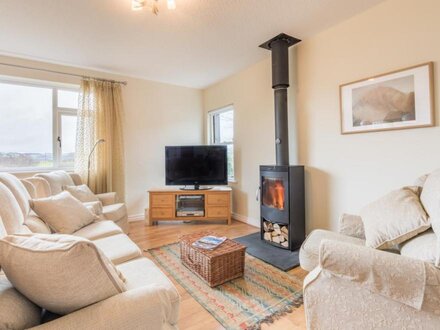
{"points": [[279, 46]]}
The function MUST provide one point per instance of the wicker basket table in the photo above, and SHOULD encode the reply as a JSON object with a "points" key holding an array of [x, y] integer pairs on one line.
{"points": [[217, 266]]}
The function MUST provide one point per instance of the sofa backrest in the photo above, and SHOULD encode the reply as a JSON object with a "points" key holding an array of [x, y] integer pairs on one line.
{"points": [[38, 186], [29, 187], [10, 212], [56, 180], [19, 191]]}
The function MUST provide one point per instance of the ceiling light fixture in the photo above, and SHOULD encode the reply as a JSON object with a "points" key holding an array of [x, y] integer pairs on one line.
{"points": [[152, 4]]}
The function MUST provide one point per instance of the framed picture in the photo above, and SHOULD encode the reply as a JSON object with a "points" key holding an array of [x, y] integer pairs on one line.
{"points": [[395, 100]]}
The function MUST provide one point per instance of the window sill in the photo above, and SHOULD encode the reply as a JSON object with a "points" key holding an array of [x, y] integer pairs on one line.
{"points": [[35, 170], [233, 181]]}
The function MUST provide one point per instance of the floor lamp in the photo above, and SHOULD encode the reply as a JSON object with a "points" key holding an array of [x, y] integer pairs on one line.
{"points": [[90, 157]]}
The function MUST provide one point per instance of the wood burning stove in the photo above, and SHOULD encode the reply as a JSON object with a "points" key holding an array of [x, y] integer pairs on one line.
{"points": [[282, 185], [282, 205]]}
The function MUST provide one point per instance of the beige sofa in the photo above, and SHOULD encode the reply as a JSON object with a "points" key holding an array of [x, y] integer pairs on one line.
{"points": [[150, 302], [111, 209], [351, 286]]}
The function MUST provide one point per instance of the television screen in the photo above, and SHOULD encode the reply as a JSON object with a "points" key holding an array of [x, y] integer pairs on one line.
{"points": [[196, 165]]}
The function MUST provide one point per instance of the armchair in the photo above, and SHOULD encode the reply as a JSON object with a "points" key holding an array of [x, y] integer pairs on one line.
{"points": [[359, 287]]}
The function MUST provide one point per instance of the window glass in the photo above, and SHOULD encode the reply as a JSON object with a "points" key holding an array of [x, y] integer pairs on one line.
{"points": [[222, 132], [26, 135], [230, 162], [67, 99], [68, 140], [35, 133], [226, 129]]}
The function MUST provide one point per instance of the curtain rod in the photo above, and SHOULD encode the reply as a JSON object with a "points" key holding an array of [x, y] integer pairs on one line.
{"points": [[63, 73]]}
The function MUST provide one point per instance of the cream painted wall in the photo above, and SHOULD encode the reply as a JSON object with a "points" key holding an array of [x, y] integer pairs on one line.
{"points": [[156, 115], [251, 94], [344, 172]]}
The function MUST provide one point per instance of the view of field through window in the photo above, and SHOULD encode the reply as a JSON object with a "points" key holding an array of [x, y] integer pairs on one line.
{"points": [[30, 126]]}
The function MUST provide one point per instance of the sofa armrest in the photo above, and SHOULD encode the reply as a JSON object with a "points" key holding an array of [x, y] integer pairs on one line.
{"points": [[390, 275], [108, 198], [146, 307], [351, 225], [76, 178], [95, 207]]}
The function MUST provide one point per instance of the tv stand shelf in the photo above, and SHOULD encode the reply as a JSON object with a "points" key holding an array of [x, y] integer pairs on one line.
{"points": [[163, 204]]}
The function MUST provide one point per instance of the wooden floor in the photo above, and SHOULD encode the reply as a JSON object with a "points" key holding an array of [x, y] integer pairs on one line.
{"points": [[192, 315]]}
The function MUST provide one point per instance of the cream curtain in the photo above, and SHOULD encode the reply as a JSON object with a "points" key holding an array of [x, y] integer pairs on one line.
{"points": [[100, 116]]}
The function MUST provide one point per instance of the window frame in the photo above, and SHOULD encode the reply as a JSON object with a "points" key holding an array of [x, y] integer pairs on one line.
{"points": [[57, 113], [213, 133]]}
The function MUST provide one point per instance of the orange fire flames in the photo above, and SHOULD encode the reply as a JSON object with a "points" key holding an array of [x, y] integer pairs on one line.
{"points": [[273, 195]]}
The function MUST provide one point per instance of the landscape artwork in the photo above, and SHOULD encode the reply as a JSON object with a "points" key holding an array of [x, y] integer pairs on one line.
{"points": [[402, 99]]}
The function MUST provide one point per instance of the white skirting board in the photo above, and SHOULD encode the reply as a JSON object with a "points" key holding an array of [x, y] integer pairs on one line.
{"points": [[136, 217], [250, 221]]}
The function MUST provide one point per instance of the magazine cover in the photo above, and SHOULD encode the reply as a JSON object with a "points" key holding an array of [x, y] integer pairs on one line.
{"points": [[209, 242]]}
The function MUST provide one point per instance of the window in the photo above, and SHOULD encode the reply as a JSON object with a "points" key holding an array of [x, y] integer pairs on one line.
{"points": [[37, 125], [221, 131]]}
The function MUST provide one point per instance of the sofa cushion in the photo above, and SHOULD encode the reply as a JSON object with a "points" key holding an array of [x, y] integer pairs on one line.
{"points": [[82, 192], [10, 212], [422, 247], [143, 272], [57, 180], [118, 248], [18, 190], [394, 218], [115, 212], [309, 252], [16, 311], [36, 225], [60, 273], [99, 229], [63, 213]]}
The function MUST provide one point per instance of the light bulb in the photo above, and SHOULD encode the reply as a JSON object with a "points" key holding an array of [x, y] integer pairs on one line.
{"points": [[171, 4]]}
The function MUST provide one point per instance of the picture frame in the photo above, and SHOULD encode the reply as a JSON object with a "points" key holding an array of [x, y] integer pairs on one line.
{"points": [[394, 100]]}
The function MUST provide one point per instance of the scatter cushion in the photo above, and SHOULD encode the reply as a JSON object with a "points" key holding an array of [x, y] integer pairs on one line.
{"points": [[16, 311], [422, 247], [63, 213], [420, 181], [430, 198], [394, 218], [82, 192], [60, 273]]}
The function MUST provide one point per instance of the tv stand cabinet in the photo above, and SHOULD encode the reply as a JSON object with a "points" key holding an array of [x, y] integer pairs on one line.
{"points": [[163, 205]]}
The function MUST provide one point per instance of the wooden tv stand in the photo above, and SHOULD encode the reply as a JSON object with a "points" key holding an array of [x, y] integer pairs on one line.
{"points": [[163, 204]]}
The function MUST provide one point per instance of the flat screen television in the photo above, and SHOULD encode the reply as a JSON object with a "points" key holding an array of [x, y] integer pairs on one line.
{"points": [[196, 165]]}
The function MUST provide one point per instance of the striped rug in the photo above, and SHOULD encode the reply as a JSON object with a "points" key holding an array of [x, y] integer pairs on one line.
{"points": [[262, 295]]}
